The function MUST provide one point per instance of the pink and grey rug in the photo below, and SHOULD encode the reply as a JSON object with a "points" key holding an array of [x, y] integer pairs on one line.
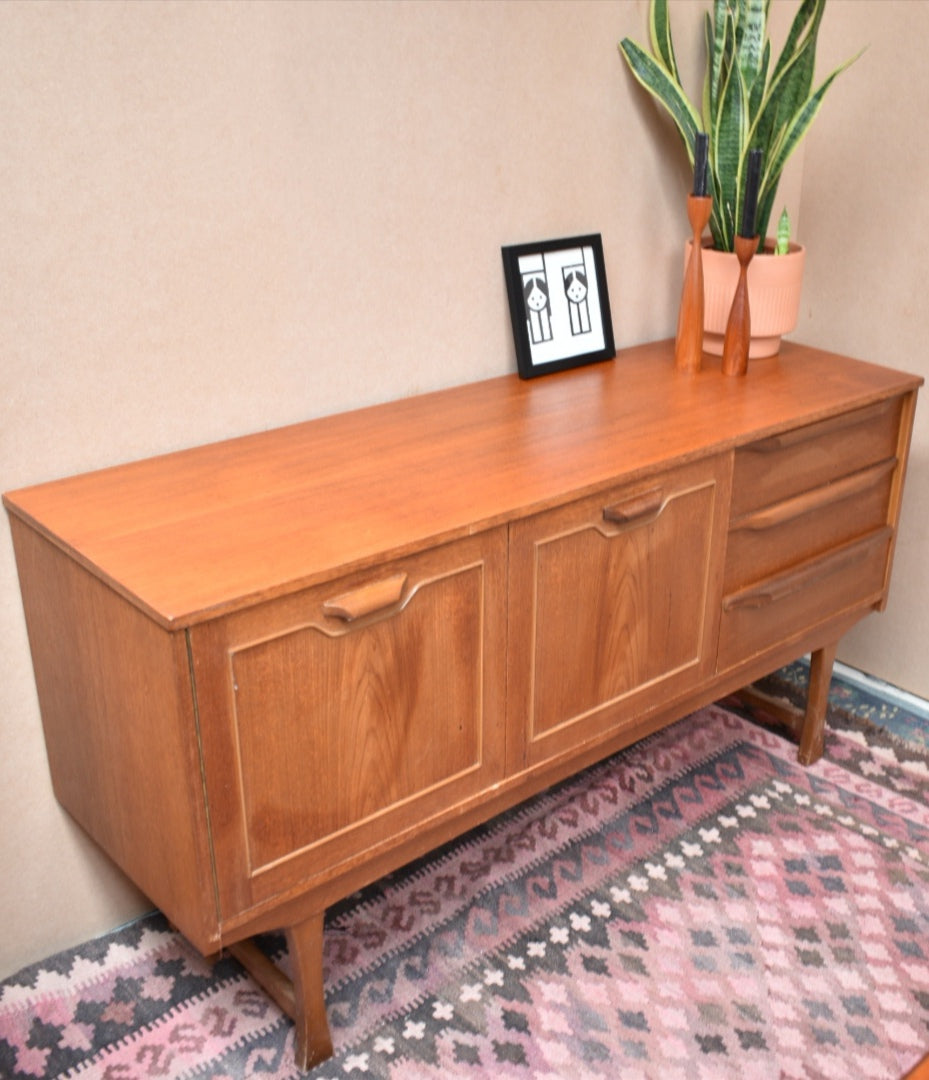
{"points": [[696, 906]]}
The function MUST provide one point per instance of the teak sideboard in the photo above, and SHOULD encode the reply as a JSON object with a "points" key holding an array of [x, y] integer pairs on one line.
{"points": [[274, 668]]}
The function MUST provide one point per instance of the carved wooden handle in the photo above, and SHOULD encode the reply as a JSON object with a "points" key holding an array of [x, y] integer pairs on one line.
{"points": [[365, 600], [855, 484], [776, 589], [646, 505]]}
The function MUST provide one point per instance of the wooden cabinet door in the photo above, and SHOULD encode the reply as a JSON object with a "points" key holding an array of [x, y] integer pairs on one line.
{"points": [[613, 607], [336, 720]]}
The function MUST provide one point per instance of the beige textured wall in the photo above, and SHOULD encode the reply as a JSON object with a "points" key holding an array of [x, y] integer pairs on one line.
{"points": [[221, 217], [865, 222]]}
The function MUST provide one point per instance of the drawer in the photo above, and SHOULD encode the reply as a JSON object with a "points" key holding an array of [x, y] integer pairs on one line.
{"points": [[796, 461], [785, 605], [335, 718], [768, 540]]}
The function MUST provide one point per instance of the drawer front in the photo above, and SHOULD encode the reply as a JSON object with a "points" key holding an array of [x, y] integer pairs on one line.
{"points": [[774, 538], [787, 605], [613, 606], [789, 464], [335, 719], [811, 529]]}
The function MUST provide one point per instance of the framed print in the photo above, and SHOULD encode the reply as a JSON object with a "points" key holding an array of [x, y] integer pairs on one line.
{"points": [[559, 304]]}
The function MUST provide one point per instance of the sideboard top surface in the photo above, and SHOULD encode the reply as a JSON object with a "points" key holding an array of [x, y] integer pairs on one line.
{"points": [[195, 533]]}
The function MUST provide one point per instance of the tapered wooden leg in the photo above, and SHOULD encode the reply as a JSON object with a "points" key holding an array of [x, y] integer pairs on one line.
{"points": [[305, 944], [813, 732], [808, 726], [302, 997]]}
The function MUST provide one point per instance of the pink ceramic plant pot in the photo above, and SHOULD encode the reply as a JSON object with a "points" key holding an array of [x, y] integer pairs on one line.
{"points": [[774, 286]]}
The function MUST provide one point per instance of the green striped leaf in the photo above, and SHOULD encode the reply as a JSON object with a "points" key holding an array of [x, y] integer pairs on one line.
{"points": [[663, 87], [728, 146], [706, 105], [660, 30], [722, 19], [758, 89], [788, 140], [809, 13], [783, 234], [751, 40]]}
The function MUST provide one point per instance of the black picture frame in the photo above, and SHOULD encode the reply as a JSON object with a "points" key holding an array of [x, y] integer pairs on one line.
{"points": [[559, 304]]}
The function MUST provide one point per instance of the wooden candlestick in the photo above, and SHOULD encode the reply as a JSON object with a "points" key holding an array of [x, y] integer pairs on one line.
{"points": [[739, 327], [688, 348]]}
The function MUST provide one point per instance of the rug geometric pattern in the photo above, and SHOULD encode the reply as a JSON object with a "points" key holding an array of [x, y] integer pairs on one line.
{"points": [[698, 905]]}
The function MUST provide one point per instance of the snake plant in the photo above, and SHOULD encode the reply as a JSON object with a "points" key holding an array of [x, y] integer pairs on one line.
{"points": [[746, 103]]}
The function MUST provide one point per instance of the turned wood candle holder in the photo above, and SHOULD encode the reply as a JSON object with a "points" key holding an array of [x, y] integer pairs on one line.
{"points": [[688, 347], [739, 327]]}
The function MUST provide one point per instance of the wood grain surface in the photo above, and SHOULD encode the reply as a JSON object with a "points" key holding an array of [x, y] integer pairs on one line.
{"points": [[188, 535]]}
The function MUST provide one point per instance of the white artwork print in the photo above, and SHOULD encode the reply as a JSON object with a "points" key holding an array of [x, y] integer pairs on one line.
{"points": [[562, 304]]}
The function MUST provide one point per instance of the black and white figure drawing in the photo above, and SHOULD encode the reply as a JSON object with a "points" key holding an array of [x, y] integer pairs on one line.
{"points": [[558, 304], [538, 309], [575, 288]]}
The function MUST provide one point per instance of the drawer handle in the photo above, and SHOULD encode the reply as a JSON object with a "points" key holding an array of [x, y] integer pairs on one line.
{"points": [[814, 431], [856, 484], [375, 596], [779, 588], [640, 508]]}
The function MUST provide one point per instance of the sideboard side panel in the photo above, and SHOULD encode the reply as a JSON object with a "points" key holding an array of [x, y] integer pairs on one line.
{"points": [[117, 711], [904, 436]]}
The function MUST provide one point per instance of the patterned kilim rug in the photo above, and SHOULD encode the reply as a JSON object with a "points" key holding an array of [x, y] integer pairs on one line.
{"points": [[696, 906]]}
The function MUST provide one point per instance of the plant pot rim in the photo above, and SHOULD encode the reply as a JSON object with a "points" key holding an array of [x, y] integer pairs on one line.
{"points": [[768, 249]]}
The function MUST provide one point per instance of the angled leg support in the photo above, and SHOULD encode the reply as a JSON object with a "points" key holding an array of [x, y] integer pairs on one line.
{"points": [[808, 726], [303, 997]]}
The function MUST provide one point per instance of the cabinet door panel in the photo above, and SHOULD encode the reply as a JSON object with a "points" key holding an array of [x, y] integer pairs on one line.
{"points": [[613, 603], [349, 711]]}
